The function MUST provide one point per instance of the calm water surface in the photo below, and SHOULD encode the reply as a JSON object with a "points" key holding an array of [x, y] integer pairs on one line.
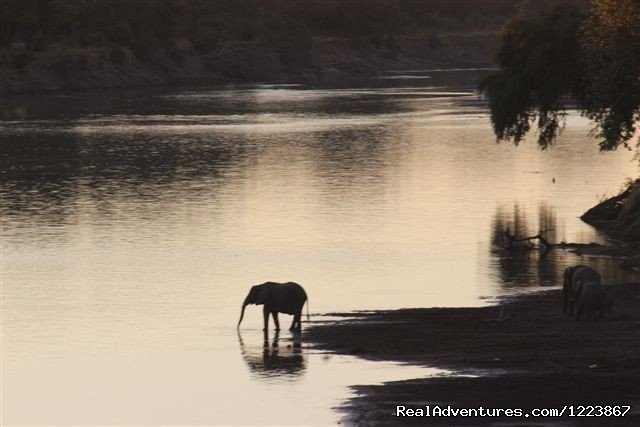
{"points": [[134, 223]]}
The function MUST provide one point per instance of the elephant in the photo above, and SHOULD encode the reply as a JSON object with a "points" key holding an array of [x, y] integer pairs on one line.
{"points": [[278, 298], [592, 301], [573, 276]]}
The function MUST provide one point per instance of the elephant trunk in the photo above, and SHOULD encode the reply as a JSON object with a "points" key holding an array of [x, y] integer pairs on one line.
{"points": [[241, 315], [248, 300]]}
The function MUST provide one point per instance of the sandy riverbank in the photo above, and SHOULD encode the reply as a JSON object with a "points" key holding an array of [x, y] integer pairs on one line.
{"points": [[536, 358]]}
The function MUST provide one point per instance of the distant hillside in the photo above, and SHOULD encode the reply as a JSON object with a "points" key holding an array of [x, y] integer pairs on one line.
{"points": [[53, 45]]}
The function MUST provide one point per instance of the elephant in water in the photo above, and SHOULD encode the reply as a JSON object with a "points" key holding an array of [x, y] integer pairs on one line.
{"points": [[592, 301], [277, 298], [573, 276]]}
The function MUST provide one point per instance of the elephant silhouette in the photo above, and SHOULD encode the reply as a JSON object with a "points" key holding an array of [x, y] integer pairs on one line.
{"points": [[573, 278], [593, 301], [288, 298]]}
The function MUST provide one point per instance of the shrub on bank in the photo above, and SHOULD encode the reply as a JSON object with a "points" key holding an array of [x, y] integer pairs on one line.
{"points": [[618, 216]]}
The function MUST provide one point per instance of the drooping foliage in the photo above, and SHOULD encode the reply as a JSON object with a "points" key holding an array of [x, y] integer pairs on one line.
{"points": [[539, 64], [564, 56], [611, 51]]}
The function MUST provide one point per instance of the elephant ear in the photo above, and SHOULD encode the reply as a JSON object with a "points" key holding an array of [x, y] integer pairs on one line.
{"points": [[261, 293]]}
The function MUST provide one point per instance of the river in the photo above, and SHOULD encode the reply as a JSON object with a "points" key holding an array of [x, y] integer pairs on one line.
{"points": [[134, 223]]}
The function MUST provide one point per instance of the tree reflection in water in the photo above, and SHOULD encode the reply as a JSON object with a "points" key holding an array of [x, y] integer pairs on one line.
{"points": [[524, 265], [527, 266]]}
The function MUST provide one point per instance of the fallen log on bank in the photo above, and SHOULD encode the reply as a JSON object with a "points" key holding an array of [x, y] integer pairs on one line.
{"points": [[627, 251]]}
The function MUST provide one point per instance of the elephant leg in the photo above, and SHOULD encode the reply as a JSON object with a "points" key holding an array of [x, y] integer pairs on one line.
{"points": [[295, 325], [275, 320], [572, 305], [265, 314]]}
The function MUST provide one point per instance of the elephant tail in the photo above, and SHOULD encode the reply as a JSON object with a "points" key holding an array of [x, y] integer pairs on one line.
{"points": [[308, 310]]}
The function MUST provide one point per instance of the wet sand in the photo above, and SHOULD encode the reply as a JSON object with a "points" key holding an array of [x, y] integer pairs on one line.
{"points": [[533, 357]]}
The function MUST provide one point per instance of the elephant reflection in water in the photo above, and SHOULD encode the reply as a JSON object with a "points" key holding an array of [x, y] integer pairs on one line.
{"points": [[275, 358]]}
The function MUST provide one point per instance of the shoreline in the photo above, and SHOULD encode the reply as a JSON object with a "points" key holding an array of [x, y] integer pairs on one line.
{"points": [[530, 354]]}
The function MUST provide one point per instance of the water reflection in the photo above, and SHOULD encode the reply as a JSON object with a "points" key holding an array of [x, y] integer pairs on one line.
{"points": [[47, 180], [129, 221], [513, 231], [96, 169], [525, 263], [275, 358], [529, 264]]}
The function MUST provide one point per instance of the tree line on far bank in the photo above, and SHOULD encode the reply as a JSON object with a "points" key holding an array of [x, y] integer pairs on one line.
{"points": [[53, 45], [145, 25]]}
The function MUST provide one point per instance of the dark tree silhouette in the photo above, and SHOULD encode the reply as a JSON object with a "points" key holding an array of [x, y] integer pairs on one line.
{"points": [[561, 54]]}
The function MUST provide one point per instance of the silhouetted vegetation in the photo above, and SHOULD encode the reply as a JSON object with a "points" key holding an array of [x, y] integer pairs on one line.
{"points": [[593, 58], [149, 24], [619, 216], [75, 43]]}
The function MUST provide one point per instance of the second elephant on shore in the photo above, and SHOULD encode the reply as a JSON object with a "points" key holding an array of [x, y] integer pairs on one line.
{"points": [[573, 277], [592, 301]]}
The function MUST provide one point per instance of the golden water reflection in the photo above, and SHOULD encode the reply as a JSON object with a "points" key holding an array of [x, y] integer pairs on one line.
{"points": [[276, 357], [133, 225], [530, 263]]}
